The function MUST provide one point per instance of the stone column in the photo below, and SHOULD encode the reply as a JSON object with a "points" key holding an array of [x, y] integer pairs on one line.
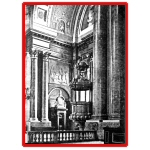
{"points": [[116, 61], [27, 84], [45, 89], [34, 86], [100, 63]]}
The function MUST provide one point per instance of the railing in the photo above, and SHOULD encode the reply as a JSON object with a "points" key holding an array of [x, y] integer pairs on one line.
{"points": [[60, 136]]}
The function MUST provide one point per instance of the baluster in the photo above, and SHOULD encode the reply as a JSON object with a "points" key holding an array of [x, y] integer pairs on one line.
{"points": [[71, 136], [85, 136], [37, 137], [93, 135], [44, 137], [74, 136], [60, 138], [33, 137], [90, 136], [66, 136], [40, 137], [52, 136]]}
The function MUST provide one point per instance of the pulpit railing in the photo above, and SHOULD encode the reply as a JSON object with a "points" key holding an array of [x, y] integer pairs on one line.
{"points": [[60, 136]]}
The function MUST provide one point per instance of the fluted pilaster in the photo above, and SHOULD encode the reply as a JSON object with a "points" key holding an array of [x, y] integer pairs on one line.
{"points": [[45, 89], [34, 86]]}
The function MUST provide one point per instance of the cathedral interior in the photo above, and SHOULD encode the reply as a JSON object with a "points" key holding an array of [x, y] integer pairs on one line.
{"points": [[75, 73]]}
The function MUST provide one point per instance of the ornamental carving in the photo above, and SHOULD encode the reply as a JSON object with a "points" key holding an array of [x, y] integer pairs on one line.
{"points": [[90, 17], [92, 126], [61, 26], [34, 53], [58, 73], [62, 14], [46, 56], [42, 14]]}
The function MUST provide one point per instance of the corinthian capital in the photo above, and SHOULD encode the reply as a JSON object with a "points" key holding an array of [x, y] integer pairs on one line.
{"points": [[46, 56], [34, 53]]}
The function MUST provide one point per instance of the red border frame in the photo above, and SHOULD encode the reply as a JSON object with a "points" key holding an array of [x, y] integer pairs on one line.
{"points": [[23, 74]]}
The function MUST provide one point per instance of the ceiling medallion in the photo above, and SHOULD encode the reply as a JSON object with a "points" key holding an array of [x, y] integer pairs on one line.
{"points": [[40, 15]]}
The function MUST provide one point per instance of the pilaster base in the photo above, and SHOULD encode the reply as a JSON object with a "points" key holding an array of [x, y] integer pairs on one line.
{"points": [[28, 126], [34, 120], [41, 124], [45, 120], [98, 125]]}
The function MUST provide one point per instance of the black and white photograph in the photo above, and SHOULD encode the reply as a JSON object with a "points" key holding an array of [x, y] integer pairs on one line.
{"points": [[76, 74]]}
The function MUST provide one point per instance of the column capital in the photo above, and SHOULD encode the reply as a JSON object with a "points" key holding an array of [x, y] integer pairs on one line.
{"points": [[34, 53], [46, 56]]}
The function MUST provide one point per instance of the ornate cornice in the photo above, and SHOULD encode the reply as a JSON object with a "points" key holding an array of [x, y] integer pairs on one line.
{"points": [[46, 37], [46, 56], [34, 53], [85, 42]]}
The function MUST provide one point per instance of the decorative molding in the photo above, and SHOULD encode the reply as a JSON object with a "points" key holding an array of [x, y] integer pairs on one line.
{"points": [[34, 53], [85, 42], [46, 56], [76, 24], [33, 33]]}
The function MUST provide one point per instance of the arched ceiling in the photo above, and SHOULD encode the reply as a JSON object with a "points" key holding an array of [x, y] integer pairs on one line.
{"points": [[69, 14], [66, 20]]}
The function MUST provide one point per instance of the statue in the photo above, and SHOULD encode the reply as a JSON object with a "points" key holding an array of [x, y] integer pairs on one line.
{"points": [[90, 17], [60, 101], [62, 26]]}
